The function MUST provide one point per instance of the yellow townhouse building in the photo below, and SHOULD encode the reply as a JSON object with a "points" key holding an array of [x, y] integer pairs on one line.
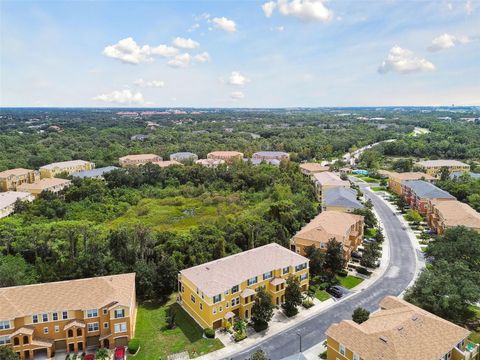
{"points": [[10, 179], [312, 168], [8, 200], [395, 180], [442, 215], [343, 227], [68, 316], [399, 331], [138, 159], [53, 185], [433, 167], [219, 291], [68, 167], [227, 156], [327, 180]]}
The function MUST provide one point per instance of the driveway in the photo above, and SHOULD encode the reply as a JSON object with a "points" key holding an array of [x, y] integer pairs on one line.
{"points": [[398, 275]]}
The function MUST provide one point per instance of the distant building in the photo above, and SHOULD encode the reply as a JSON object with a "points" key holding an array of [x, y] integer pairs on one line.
{"points": [[395, 180], [313, 168], [184, 157], [340, 199], [267, 161], [139, 137], [138, 159], [271, 155], [458, 174], [433, 167], [418, 193], [342, 227], [8, 200], [68, 316], [215, 293], [95, 173], [399, 330], [211, 163], [167, 163], [10, 179], [227, 156], [68, 167], [327, 180], [442, 215], [53, 185]]}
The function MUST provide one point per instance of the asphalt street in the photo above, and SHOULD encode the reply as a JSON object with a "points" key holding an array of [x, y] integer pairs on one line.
{"points": [[397, 277]]}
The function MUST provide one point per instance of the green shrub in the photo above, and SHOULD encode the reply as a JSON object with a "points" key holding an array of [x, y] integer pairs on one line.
{"points": [[239, 336], [260, 326], [133, 346], [342, 273], [323, 355], [307, 304], [210, 333], [363, 271]]}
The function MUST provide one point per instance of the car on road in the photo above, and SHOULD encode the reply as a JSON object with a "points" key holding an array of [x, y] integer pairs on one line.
{"points": [[119, 353]]}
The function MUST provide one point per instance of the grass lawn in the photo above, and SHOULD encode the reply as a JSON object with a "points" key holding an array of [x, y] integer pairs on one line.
{"points": [[366, 178], [475, 335], [173, 214], [378, 188], [349, 281], [322, 295], [156, 341]]}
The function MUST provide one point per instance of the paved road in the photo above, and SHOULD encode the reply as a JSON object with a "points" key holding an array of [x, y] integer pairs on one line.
{"points": [[396, 278]]}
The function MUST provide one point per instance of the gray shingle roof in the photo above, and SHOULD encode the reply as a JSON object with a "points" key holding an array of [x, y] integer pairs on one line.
{"points": [[340, 196], [427, 190], [94, 173], [458, 174]]}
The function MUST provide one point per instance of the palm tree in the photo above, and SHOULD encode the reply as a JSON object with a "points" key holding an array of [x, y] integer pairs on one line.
{"points": [[102, 354]]}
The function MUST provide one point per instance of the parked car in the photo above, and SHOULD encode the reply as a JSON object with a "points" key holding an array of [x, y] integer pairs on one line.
{"points": [[356, 254], [335, 291], [119, 353], [89, 357]]}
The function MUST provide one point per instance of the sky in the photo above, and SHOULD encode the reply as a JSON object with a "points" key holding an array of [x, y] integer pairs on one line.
{"points": [[275, 53]]}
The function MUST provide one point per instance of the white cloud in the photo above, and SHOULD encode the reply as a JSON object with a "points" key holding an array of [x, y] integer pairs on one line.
{"points": [[447, 41], [151, 83], [306, 10], [184, 43], [202, 57], [237, 79], [128, 51], [225, 24], [278, 28], [268, 8], [450, 6], [123, 97], [404, 61], [469, 7], [180, 61], [194, 27], [237, 95]]}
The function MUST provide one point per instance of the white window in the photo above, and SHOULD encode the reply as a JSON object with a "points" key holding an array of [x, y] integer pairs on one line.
{"points": [[342, 349], [4, 340], [4, 325], [93, 327], [34, 319], [55, 316], [64, 315], [57, 328], [268, 275], [233, 302], [44, 317], [217, 298], [356, 356], [106, 325], [45, 330], [252, 281], [122, 327], [238, 300], [119, 313], [92, 313], [303, 277]]}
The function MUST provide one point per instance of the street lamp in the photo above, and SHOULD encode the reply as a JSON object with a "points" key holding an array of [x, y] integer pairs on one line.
{"points": [[300, 336]]}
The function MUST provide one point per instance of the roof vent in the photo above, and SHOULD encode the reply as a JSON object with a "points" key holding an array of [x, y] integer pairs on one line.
{"points": [[207, 268], [400, 328], [384, 339], [414, 317]]}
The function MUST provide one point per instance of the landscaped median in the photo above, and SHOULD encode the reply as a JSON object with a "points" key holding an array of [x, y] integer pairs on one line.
{"points": [[157, 341]]}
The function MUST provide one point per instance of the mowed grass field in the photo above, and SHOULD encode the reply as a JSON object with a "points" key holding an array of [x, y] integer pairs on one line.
{"points": [[175, 214]]}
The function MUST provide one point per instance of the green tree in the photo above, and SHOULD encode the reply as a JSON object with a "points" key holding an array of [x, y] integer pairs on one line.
{"points": [[334, 257], [262, 309], [102, 354], [14, 270], [402, 165], [259, 355], [413, 216], [293, 296], [379, 237], [360, 315], [6, 353], [368, 217], [317, 260], [371, 254], [401, 203], [444, 173]]}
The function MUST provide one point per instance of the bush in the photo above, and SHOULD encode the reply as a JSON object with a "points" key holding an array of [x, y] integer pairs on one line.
{"points": [[342, 273], [323, 355], [210, 333], [363, 271], [307, 304], [260, 326], [239, 336], [133, 346]]}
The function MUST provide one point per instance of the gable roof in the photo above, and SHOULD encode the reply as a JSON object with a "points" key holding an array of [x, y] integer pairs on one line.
{"points": [[43, 184], [329, 178], [65, 164], [81, 294], [456, 213], [399, 331], [217, 276], [410, 176], [341, 196], [94, 172], [15, 172], [427, 190], [313, 167]]}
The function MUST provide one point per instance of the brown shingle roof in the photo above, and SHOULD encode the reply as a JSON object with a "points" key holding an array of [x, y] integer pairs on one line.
{"points": [[82, 294], [313, 167], [15, 172], [399, 331], [43, 184], [220, 275], [140, 157], [410, 176]]}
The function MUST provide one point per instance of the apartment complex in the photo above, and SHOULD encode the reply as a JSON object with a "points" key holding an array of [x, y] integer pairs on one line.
{"points": [[219, 291], [395, 180], [399, 330], [184, 157], [270, 155], [227, 156], [312, 168], [343, 227], [327, 180], [433, 167], [340, 199], [138, 159], [10, 179], [68, 167], [68, 316], [8, 199], [446, 214], [419, 193], [53, 185]]}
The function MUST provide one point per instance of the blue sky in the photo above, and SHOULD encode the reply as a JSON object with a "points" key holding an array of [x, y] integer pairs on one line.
{"points": [[278, 53]]}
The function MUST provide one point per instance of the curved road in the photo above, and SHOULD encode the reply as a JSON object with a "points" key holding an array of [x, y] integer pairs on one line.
{"points": [[396, 278]]}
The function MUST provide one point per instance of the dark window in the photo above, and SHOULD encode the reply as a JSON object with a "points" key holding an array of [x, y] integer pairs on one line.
{"points": [[25, 339], [79, 332], [70, 333], [16, 341]]}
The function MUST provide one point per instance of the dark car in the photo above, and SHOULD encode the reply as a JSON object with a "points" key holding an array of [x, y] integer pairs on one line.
{"points": [[335, 291], [119, 353], [356, 254]]}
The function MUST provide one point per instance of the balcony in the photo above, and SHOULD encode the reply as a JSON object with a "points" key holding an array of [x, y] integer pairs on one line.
{"points": [[470, 353]]}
